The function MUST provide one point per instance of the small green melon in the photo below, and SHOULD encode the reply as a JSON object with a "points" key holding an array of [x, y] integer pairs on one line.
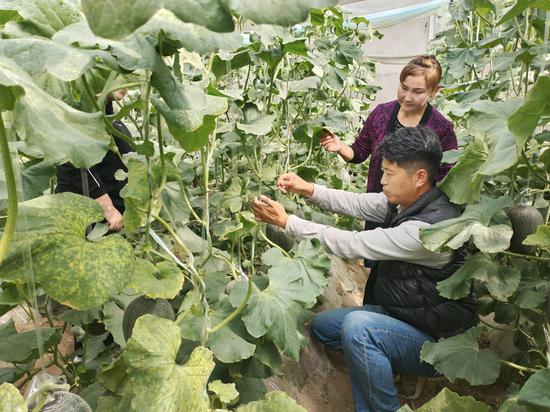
{"points": [[142, 306], [525, 220]]}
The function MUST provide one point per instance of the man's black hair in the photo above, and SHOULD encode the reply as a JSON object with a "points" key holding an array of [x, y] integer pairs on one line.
{"points": [[413, 148]]}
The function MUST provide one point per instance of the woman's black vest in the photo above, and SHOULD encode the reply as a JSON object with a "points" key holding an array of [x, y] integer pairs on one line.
{"points": [[408, 290]]}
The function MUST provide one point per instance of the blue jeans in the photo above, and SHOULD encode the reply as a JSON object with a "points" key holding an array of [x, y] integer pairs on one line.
{"points": [[375, 345]]}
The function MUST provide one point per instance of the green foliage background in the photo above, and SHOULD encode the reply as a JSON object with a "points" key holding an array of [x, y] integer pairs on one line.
{"points": [[223, 98]]}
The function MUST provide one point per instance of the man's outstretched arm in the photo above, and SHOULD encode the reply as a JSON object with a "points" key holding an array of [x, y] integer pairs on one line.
{"points": [[398, 243], [365, 206]]}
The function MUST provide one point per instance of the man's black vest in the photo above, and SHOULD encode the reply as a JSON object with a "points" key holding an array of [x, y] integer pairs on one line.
{"points": [[408, 291]]}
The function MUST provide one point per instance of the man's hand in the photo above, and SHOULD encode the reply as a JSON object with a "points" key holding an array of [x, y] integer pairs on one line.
{"points": [[331, 142], [112, 215], [290, 182], [269, 211]]}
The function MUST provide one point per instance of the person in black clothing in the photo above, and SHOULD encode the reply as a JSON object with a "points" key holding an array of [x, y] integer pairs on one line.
{"points": [[102, 184]]}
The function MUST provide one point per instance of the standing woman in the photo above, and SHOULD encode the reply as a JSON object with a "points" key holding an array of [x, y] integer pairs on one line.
{"points": [[419, 82], [102, 184]]}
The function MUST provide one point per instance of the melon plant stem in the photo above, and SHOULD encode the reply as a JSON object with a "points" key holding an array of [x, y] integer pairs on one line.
{"points": [[519, 255], [206, 155], [161, 155], [126, 86], [9, 228], [531, 168], [145, 127], [236, 312], [284, 252], [518, 367], [196, 279]]}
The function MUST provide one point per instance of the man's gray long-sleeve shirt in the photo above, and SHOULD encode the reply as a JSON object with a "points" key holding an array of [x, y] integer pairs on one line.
{"points": [[397, 243]]}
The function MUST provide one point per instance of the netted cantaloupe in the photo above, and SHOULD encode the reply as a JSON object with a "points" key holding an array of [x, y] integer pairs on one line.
{"points": [[525, 220], [142, 306]]}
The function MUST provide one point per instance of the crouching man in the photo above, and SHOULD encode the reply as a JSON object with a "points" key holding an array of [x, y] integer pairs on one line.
{"points": [[403, 308]]}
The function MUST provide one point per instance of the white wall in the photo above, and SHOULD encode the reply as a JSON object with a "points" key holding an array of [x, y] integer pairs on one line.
{"points": [[400, 43]]}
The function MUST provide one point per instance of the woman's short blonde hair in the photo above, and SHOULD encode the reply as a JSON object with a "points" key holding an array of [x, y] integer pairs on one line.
{"points": [[426, 65]]}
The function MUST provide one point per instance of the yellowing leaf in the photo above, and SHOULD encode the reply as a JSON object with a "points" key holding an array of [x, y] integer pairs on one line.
{"points": [[71, 269]]}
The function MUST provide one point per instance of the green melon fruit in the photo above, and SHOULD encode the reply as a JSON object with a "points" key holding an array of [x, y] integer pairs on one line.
{"points": [[525, 220], [279, 237], [142, 306]]}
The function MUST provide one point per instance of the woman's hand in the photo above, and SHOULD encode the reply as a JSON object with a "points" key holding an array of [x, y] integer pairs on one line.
{"points": [[112, 215], [291, 182], [269, 211], [114, 219], [331, 142]]}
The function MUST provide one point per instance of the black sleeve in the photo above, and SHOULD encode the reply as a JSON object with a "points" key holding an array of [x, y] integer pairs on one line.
{"points": [[69, 179], [95, 184]]}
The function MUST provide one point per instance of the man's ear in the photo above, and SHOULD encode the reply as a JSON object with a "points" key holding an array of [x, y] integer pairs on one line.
{"points": [[421, 177]]}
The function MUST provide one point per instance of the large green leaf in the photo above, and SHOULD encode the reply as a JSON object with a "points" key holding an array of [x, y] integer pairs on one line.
{"points": [[112, 319], [192, 37], [11, 400], [184, 106], [226, 392], [157, 382], [537, 104], [491, 150], [491, 119], [310, 263], [281, 12], [38, 55], [461, 60], [276, 401], [520, 6], [136, 193], [44, 17], [20, 347], [198, 138], [72, 270], [163, 280], [258, 127], [294, 285], [136, 53], [461, 357], [223, 64], [229, 344], [448, 401], [501, 282], [535, 391], [36, 176], [477, 223], [462, 184], [117, 19], [48, 125], [10, 375], [540, 238], [233, 196]]}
